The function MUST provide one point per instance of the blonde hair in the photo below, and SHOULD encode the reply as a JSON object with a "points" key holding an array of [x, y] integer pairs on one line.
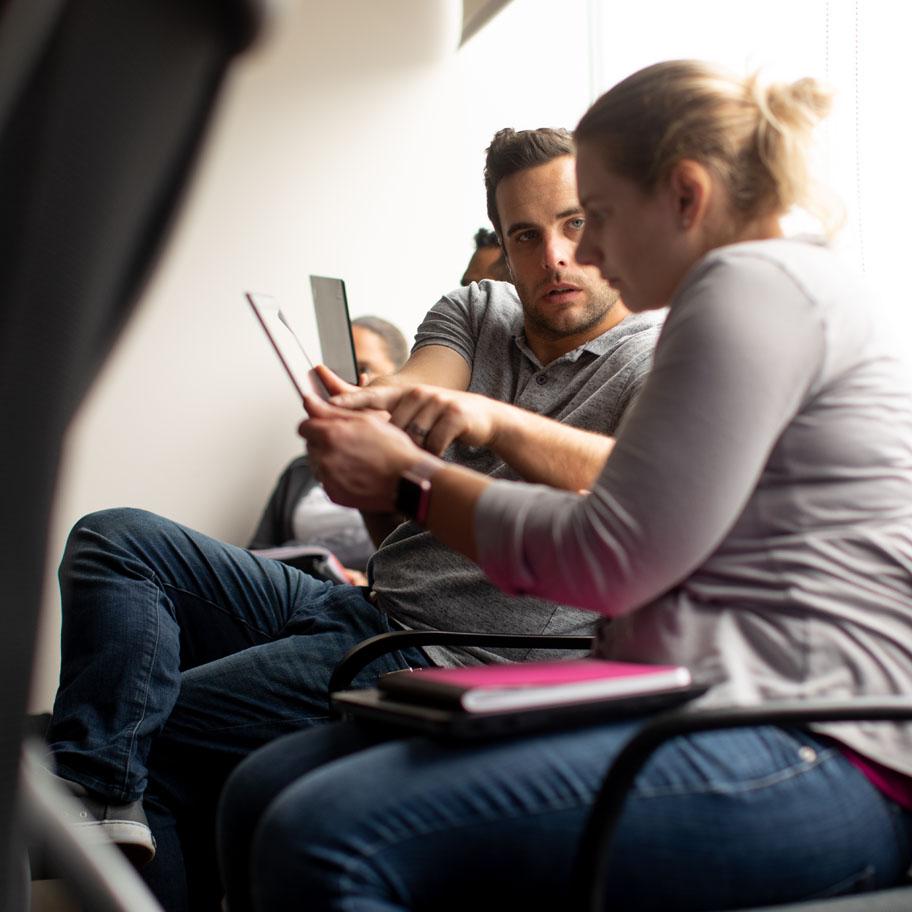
{"points": [[755, 138]]}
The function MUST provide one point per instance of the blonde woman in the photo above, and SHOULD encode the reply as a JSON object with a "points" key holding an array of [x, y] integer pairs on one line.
{"points": [[752, 520]]}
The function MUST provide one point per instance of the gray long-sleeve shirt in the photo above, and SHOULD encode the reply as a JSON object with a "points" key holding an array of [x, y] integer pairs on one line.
{"points": [[754, 520]]}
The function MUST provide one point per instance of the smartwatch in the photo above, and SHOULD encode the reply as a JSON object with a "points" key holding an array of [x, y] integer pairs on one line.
{"points": [[413, 493]]}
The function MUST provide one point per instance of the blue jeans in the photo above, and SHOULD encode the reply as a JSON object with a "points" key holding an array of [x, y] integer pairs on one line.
{"points": [[338, 819], [180, 656]]}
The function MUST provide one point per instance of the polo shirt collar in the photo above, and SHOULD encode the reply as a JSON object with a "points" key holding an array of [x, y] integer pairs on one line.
{"points": [[597, 346]]}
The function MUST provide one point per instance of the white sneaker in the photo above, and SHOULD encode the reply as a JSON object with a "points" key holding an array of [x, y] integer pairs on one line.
{"points": [[125, 825]]}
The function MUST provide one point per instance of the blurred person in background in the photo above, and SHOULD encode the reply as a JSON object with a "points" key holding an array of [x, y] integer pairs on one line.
{"points": [[298, 510], [487, 262]]}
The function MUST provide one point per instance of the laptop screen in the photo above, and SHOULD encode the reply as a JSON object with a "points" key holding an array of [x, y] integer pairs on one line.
{"points": [[331, 310]]}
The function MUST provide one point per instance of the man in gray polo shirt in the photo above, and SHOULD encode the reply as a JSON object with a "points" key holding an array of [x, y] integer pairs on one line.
{"points": [[181, 654], [424, 585]]}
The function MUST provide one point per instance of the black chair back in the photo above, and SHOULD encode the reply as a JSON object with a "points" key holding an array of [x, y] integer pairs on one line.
{"points": [[102, 109]]}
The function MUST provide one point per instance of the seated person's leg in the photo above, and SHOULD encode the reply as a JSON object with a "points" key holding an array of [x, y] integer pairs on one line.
{"points": [[256, 782], [716, 820], [152, 610], [143, 600], [229, 708]]}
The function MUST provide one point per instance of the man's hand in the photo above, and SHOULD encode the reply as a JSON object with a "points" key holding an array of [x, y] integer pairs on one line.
{"points": [[539, 449], [340, 389], [432, 416], [334, 384], [356, 455]]}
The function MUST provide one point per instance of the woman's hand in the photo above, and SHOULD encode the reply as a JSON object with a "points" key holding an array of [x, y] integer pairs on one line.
{"points": [[356, 455], [433, 416]]}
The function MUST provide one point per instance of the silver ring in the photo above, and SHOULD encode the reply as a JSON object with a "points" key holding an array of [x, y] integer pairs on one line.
{"points": [[413, 430]]}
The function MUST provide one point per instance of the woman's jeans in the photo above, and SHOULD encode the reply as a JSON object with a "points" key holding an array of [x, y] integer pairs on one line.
{"points": [[181, 655], [337, 819]]}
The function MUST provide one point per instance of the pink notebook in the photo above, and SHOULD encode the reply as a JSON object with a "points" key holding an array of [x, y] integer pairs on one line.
{"points": [[490, 688]]}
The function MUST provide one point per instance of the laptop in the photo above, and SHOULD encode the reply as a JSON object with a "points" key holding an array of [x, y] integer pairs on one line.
{"points": [[334, 326]]}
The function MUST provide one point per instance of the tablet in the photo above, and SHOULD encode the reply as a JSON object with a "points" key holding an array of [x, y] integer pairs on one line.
{"points": [[333, 324], [287, 346]]}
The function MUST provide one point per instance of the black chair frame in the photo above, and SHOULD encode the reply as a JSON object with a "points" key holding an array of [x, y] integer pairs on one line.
{"points": [[372, 648], [103, 111]]}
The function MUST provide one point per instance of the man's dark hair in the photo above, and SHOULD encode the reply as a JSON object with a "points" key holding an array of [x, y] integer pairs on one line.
{"points": [[511, 151], [484, 238], [396, 346]]}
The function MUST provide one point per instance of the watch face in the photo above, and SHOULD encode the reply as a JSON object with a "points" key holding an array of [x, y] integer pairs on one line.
{"points": [[408, 495], [413, 496]]}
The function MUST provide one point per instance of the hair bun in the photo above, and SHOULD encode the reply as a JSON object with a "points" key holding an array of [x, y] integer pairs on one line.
{"points": [[800, 104], [756, 137]]}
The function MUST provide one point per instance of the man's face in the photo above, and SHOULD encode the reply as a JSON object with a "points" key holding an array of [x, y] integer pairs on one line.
{"points": [[372, 355], [486, 263], [564, 303]]}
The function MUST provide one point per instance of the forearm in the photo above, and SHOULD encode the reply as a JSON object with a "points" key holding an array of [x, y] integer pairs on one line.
{"points": [[436, 365], [451, 517], [544, 451]]}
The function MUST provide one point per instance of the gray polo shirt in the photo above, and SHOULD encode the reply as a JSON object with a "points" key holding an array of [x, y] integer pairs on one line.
{"points": [[771, 549], [424, 585]]}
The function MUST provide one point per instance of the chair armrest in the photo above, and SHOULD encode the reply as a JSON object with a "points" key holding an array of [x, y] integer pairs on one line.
{"points": [[368, 650], [609, 803]]}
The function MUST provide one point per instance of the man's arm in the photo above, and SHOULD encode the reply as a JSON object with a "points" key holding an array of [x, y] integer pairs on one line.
{"points": [[544, 451], [437, 365], [539, 449]]}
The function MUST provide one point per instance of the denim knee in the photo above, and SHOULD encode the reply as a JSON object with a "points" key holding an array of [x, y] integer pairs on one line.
{"points": [[99, 535], [112, 523]]}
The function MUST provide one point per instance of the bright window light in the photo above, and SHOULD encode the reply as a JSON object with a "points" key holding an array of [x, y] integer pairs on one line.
{"points": [[857, 47]]}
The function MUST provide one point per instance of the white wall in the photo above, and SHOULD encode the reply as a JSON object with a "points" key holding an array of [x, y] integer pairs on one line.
{"points": [[349, 143]]}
